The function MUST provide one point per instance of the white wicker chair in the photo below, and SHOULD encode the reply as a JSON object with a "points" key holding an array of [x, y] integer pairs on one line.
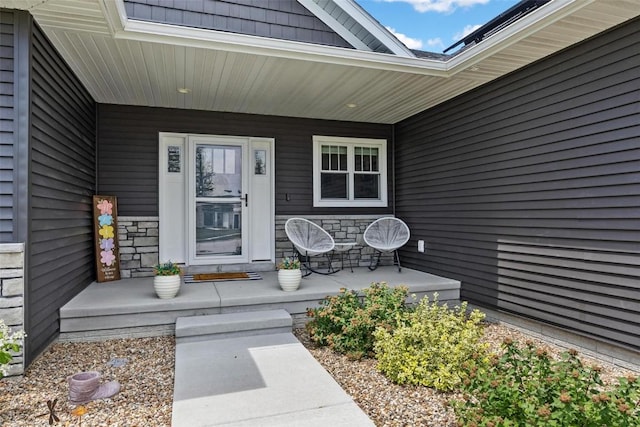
{"points": [[309, 239], [386, 235]]}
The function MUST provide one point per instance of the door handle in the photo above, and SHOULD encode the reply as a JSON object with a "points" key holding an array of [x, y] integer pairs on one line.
{"points": [[246, 200]]}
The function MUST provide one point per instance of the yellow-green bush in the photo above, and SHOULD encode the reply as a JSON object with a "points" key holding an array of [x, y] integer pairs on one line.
{"points": [[429, 345]]}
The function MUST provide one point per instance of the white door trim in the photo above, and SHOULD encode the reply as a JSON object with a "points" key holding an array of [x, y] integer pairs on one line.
{"points": [[176, 210]]}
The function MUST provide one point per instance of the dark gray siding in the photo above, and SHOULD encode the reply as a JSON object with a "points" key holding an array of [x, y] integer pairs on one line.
{"points": [[128, 152], [63, 123], [280, 19], [528, 189], [7, 126]]}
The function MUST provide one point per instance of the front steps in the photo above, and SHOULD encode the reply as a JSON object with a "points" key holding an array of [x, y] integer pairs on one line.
{"points": [[232, 325], [129, 308]]}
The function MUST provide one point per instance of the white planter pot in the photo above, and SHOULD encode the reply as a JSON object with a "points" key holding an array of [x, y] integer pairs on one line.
{"points": [[167, 286], [289, 279]]}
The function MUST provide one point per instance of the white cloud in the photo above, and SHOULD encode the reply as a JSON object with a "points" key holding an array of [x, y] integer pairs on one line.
{"points": [[408, 41], [441, 6], [435, 43], [465, 32]]}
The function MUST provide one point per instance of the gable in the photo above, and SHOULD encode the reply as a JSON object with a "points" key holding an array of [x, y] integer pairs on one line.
{"points": [[282, 19]]}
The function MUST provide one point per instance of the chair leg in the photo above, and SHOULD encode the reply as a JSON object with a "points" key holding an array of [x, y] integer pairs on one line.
{"points": [[305, 263], [397, 261], [374, 262]]}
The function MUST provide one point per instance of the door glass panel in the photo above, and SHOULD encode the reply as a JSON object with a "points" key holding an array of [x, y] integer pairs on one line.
{"points": [[218, 171], [218, 191], [218, 229]]}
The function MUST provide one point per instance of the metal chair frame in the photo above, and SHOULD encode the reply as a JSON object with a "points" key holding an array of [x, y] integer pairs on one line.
{"points": [[303, 248], [391, 241]]}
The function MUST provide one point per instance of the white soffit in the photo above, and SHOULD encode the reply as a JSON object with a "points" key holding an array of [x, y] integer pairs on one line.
{"points": [[124, 61]]}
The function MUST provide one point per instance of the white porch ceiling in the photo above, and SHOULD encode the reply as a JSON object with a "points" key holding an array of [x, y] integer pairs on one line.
{"points": [[129, 62]]}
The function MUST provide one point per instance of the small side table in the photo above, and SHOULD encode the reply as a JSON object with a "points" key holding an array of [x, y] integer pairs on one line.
{"points": [[343, 248]]}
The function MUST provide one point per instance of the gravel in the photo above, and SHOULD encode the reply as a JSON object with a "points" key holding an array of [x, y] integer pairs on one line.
{"points": [[144, 368]]}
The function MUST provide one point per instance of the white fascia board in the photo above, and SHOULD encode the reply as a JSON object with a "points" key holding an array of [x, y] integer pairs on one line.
{"points": [[336, 26], [522, 28], [219, 40], [375, 28]]}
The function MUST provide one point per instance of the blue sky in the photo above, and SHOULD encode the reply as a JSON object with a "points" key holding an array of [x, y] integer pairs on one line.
{"points": [[434, 25]]}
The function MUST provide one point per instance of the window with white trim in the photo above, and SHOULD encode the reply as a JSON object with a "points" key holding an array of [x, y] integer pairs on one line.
{"points": [[349, 172]]}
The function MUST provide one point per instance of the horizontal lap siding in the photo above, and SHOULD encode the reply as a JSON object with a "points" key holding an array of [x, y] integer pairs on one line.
{"points": [[7, 126], [128, 153], [62, 185], [528, 189]]}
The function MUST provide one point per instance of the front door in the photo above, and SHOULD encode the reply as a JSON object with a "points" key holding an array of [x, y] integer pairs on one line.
{"points": [[218, 201]]}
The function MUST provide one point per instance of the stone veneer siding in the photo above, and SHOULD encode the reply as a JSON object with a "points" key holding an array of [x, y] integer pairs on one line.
{"points": [[342, 229], [138, 237], [12, 294]]}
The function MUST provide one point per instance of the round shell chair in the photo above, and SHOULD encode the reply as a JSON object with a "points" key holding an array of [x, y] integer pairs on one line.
{"points": [[386, 235], [309, 239]]}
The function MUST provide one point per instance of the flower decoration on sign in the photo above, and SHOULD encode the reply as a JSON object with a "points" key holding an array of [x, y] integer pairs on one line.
{"points": [[105, 207], [106, 244], [106, 223], [106, 232], [105, 219], [107, 257]]}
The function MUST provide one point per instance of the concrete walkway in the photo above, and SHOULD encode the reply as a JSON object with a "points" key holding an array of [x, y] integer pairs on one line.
{"points": [[262, 380]]}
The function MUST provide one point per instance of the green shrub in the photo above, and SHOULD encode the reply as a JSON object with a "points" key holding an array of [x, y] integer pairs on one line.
{"points": [[526, 387], [429, 346], [346, 322]]}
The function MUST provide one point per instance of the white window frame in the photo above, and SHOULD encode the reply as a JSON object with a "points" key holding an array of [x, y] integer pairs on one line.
{"points": [[350, 143]]}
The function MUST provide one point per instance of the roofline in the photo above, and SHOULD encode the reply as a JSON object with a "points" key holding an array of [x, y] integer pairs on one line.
{"points": [[375, 28], [522, 28], [332, 23], [125, 28]]}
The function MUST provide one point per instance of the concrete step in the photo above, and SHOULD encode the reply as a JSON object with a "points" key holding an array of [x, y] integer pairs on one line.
{"points": [[232, 325]]}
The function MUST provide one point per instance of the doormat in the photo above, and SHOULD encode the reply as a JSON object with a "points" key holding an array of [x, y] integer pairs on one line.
{"points": [[220, 277]]}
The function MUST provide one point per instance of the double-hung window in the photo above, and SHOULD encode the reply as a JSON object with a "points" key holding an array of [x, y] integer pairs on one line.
{"points": [[349, 172]]}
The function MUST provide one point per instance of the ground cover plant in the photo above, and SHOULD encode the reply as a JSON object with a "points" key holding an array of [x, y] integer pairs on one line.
{"points": [[527, 387], [428, 346], [346, 322], [10, 344], [445, 350]]}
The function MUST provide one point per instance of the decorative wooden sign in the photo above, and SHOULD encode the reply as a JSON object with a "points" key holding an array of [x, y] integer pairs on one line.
{"points": [[105, 214]]}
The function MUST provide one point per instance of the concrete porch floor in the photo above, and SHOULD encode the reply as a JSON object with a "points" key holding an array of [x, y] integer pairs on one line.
{"points": [[130, 308]]}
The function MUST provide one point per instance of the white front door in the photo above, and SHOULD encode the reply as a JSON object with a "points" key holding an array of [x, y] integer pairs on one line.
{"points": [[217, 206], [217, 199]]}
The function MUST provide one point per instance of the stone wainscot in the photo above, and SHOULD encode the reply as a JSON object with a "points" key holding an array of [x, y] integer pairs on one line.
{"points": [[12, 295]]}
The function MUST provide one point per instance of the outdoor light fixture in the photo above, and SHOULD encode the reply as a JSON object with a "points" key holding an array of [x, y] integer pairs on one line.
{"points": [[184, 90]]}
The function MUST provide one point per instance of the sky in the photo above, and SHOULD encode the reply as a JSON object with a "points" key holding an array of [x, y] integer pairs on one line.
{"points": [[434, 25]]}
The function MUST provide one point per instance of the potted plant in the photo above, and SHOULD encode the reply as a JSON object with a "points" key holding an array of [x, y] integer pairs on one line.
{"points": [[289, 274], [167, 280]]}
